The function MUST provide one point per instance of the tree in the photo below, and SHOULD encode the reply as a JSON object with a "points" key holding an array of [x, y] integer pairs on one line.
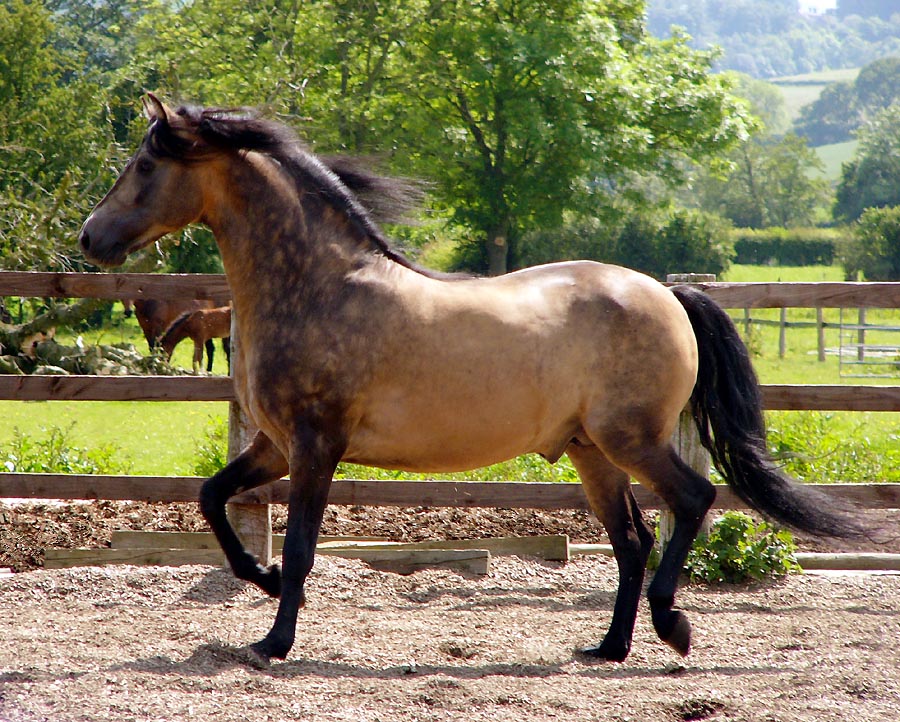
{"points": [[50, 141], [873, 251], [771, 184], [842, 107], [872, 178], [526, 109]]}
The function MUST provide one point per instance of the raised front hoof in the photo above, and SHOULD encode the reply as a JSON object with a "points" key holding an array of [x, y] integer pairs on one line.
{"points": [[673, 628], [608, 651], [269, 581]]}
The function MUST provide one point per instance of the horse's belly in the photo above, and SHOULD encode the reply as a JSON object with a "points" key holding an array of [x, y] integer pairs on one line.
{"points": [[467, 438]]}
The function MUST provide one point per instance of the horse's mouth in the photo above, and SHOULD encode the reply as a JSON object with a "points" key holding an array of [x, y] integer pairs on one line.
{"points": [[109, 255]]}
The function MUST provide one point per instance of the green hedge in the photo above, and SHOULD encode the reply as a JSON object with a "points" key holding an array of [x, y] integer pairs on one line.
{"points": [[786, 246]]}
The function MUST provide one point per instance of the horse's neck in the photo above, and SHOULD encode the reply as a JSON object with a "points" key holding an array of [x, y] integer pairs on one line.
{"points": [[282, 245]]}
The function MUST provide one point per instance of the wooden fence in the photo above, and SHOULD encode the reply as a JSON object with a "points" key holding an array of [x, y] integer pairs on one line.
{"points": [[397, 493]]}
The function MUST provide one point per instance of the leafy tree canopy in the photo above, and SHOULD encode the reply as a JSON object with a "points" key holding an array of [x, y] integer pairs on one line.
{"points": [[872, 178], [843, 107]]}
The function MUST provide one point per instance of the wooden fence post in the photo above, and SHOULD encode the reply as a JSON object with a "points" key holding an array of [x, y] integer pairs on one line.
{"points": [[252, 522], [820, 333], [686, 439], [861, 336]]}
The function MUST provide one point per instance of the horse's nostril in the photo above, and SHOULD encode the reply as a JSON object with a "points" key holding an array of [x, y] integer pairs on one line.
{"points": [[85, 240]]}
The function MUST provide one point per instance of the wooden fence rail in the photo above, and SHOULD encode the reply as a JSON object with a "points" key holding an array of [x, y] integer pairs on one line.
{"points": [[776, 397]]}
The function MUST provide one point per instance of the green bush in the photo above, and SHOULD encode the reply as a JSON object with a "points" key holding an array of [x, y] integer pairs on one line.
{"points": [[56, 454], [786, 246], [658, 243], [873, 250], [738, 549], [212, 453]]}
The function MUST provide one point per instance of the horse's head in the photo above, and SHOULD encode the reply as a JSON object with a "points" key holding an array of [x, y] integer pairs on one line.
{"points": [[156, 194]]}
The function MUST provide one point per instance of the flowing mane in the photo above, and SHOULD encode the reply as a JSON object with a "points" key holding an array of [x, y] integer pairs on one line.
{"points": [[365, 198]]}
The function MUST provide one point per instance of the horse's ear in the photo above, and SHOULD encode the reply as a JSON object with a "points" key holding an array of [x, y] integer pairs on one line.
{"points": [[154, 108]]}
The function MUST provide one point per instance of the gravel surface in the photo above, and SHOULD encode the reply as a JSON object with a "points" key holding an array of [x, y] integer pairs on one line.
{"points": [[164, 644]]}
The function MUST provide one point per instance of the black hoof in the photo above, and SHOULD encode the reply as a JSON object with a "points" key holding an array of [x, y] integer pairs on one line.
{"points": [[255, 658], [270, 581], [267, 649], [608, 651], [673, 628]]}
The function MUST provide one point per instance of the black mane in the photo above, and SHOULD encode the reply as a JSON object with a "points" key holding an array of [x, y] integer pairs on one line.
{"points": [[343, 181]]}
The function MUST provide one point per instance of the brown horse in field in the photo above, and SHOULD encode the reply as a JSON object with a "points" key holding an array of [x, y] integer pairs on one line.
{"points": [[201, 326], [155, 316], [349, 351]]}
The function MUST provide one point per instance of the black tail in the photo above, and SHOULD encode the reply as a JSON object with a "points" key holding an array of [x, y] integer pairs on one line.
{"points": [[727, 406]]}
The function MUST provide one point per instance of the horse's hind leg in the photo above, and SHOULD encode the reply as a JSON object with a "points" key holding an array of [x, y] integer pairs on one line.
{"points": [[259, 464], [210, 352], [689, 496], [608, 490]]}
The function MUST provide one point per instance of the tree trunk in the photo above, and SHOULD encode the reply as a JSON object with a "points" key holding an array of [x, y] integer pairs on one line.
{"points": [[12, 336], [498, 254]]}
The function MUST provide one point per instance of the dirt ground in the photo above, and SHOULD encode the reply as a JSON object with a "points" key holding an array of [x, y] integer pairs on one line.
{"points": [[163, 644]]}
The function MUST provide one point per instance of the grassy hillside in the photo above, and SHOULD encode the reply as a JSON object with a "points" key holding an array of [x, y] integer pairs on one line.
{"points": [[834, 155], [800, 90]]}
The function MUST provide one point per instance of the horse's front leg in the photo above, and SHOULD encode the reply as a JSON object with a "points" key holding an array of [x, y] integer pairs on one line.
{"points": [[314, 457], [258, 464], [198, 355]]}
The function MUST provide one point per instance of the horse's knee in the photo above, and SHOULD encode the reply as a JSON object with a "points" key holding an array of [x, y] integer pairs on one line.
{"points": [[212, 498]]}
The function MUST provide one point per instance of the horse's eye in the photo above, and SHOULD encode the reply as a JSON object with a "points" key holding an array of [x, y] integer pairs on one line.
{"points": [[144, 166]]}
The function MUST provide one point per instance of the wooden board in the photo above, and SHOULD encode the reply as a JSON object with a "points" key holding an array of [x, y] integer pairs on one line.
{"points": [[804, 294], [213, 286], [400, 561], [128, 539], [776, 397], [408, 561], [116, 388], [553, 547], [67, 558], [115, 286], [852, 560], [472, 494]]}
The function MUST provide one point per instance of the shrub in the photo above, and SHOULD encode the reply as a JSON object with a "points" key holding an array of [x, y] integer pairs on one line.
{"points": [[873, 249], [680, 241], [57, 454], [212, 453], [738, 549], [786, 246]]}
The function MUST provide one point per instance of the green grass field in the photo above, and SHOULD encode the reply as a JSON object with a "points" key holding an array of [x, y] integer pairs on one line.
{"points": [[163, 438]]}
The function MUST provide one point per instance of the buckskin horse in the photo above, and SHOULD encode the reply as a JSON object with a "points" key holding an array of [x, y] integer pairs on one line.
{"points": [[349, 351]]}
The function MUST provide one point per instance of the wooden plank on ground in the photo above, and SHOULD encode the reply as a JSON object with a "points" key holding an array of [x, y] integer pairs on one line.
{"points": [[848, 560], [128, 539], [553, 547], [66, 558], [400, 561], [408, 561]]}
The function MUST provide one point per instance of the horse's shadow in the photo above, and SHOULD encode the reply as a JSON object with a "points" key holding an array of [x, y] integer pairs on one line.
{"points": [[213, 658]]}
